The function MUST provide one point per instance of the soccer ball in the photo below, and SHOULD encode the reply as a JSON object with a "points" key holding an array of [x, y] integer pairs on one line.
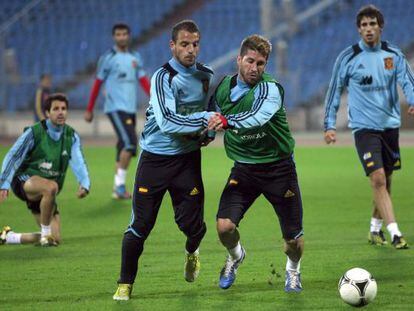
{"points": [[357, 287]]}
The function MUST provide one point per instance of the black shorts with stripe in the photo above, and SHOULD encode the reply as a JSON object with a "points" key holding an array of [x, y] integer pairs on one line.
{"points": [[124, 125], [18, 190], [180, 175], [277, 181], [378, 149]]}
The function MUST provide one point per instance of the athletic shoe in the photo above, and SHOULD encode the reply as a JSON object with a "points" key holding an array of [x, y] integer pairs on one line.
{"points": [[229, 271], [293, 283], [191, 267], [120, 193], [123, 292], [377, 238], [3, 235], [399, 242], [47, 241]]}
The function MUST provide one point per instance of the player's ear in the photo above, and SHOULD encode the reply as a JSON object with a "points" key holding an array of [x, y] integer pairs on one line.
{"points": [[172, 44]]}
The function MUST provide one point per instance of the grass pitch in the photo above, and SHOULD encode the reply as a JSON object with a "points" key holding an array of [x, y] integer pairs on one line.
{"points": [[81, 274]]}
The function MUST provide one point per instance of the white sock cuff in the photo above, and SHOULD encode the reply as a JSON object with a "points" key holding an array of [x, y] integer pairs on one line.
{"points": [[13, 238], [236, 252], [376, 224], [393, 229], [120, 177], [45, 230], [292, 265]]}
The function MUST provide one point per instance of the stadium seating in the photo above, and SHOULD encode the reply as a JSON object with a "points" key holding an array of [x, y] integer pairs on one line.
{"points": [[62, 37]]}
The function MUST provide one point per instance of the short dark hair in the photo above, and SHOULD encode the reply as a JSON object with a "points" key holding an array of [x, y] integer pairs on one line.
{"points": [[55, 96], [256, 43], [187, 25], [370, 11], [120, 26]]}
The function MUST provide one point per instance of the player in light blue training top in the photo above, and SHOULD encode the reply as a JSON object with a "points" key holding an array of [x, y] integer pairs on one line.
{"points": [[171, 158], [371, 70], [177, 107], [35, 169], [120, 70]]}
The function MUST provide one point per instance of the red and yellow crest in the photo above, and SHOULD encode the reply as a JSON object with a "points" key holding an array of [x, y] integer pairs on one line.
{"points": [[388, 63]]}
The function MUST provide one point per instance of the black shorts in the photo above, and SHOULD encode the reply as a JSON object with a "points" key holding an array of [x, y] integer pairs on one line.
{"points": [[277, 181], [33, 206], [378, 149], [180, 175], [124, 125]]}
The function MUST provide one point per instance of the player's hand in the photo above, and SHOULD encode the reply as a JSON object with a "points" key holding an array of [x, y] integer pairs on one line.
{"points": [[82, 192], [3, 194], [217, 122], [88, 116], [330, 136], [411, 110]]}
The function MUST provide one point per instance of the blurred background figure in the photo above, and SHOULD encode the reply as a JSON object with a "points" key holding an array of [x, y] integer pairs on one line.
{"points": [[42, 93]]}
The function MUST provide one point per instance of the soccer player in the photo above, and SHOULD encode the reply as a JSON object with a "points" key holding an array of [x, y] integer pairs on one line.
{"points": [[171, 158], [35, 168], [42, 93], [120, 70], [371, 70], [258, 139]]}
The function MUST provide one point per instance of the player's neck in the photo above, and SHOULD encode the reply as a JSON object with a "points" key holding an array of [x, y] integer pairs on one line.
{"points": [[372, 44], [122, 48], [53, 126]]}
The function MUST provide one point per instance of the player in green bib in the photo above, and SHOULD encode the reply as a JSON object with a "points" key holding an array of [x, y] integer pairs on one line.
{"points": [[258, 139], [35, 168]]}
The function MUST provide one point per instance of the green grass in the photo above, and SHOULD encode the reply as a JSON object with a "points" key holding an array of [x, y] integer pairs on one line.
{"points": [[81, 274]]}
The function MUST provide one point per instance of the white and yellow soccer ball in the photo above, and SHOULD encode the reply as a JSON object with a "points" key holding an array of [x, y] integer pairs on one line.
{"points": [[357, 287]]}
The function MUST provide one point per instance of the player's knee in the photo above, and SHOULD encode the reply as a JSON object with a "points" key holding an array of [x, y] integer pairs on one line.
{"points": [[225, 226], [51, 189], [194, 231], [378, 179]]}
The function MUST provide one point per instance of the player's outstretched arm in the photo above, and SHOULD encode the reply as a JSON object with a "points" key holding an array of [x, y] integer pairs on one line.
{"points": [[267, 101], [78, 164], [15, 157], [330, 136]]}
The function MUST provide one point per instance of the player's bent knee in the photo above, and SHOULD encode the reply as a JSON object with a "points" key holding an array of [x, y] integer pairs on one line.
{"points": [[52, 189], [225, 226], [194, 231]]}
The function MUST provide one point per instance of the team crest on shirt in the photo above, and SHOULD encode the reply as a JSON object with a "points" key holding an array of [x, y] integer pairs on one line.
{"points": [[128, 121], [134, 64], [206, 84], [388, 63]]}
